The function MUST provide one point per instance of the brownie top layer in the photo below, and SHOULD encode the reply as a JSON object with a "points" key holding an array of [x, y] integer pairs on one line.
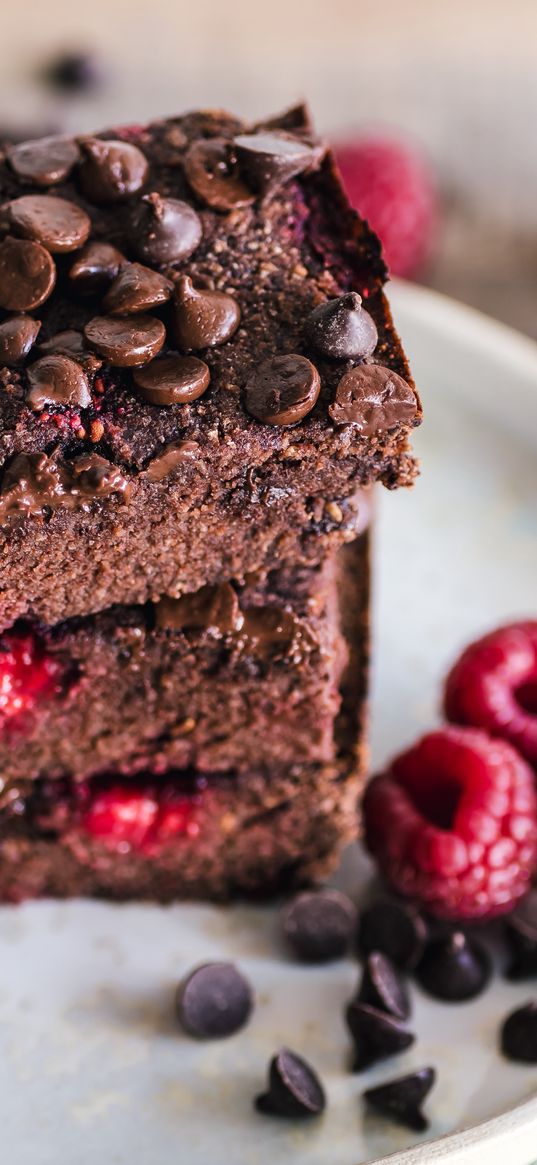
{"points": [[184, 287]]}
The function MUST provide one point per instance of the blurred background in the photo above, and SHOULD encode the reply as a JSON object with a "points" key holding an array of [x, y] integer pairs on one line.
{"points": [[431, 103]]}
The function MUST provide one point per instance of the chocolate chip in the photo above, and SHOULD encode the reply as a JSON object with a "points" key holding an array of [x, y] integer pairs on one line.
{"points": [[96, 266], [454, 968], [282, 390], [318, 925], [341, 329], [136, 289], [172, 380], [212, 172], [111, 171], [521, 930], [203, 319], [401, 1099], [74, 72], [44, 161], [165, 230], [69, 343], [294, 1089], [376, 1034], [17, 336], [271, 633], [214, 1001], [519, 1034], [374, 399], [126, 343], [269, 160], [172, 456], [57, 224], [214, 609], [383, 986], [93, 477], [394, 929], [57, 380], [27, 274], [30, 482]]}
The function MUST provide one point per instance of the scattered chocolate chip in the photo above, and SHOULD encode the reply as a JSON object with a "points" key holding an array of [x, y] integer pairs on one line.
{"points": [[110, 171], [57, 224], [165, 230], [74, 72], [384, 987], [212, 172], [269, 160], [214, 1001], [126, 343], [401, 1099], [519, 1034], [172, 456], [57, 380], [44, 161], [521, 931], [17, 336], [94, 477], [68, 343], [213, 608], [318, 924], [172, 380], [394, 929], [96, 266], [454, 968], [282, 390], [27, 274], [136, 289], [294, 1089], [203, 319], [376, 1034], [34, 482], [374, 399], [342, 329]]}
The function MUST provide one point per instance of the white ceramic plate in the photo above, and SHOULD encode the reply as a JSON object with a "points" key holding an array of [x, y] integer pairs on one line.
{"points": [[92, 1066]]}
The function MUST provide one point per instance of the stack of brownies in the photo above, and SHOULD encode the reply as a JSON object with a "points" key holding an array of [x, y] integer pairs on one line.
{"points": [[199, 382]]}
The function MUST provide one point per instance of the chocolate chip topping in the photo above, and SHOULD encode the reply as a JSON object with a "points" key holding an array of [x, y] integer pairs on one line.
{"points": [[383, 986], [294, 1089], [213, 608], [282, 390], [342, 329], [374, 399], [111, 171], [317, 925], [43, 161], [401, 1099], [214, 1001], [203, 319], [96, 266], [27, 274], [165, 230], [172, 380], [519, 1035], [69, 343], [34, 482], [126, 343], [136, 289], [394, 929], [212, 172], [376, 1035], [57, 380], [172, 456], [57, 224], [17, 336], [269, 160], [454, 968]]}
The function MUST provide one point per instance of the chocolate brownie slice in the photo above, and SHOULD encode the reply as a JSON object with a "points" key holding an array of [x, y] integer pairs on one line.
{"points": [[198, 363]]}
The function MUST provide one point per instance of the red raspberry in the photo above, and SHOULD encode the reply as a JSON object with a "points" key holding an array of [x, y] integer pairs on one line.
{"points": [[494, 686], [389, 184], [27, 673], [137, 818], [453, 824]]}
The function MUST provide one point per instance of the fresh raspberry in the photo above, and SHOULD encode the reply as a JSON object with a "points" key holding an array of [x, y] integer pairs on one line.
{"points": [[390, 185], [494, 686], [138, 818], [453, 824], [27, 674]]}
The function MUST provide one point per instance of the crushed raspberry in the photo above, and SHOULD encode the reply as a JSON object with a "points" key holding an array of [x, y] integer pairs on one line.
{"points": [[494, 686], [27, 674], [453, 824], [139, 818]]}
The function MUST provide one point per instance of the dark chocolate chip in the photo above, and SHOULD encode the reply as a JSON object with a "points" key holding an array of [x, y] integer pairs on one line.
{"points": [[165, 230], [27, 274], [96, 266], [57, 380], [454, 968], [213, 608], [136, 289], [68, 343], [318, 924], [57, 224], [214, 1001], [44, 161], [384, 987], [111, 171], [212, 172], [17, 336], [203, 319], [394, 929], [376, 1034], [171, 457], [519, 1034], [172, 380], [126, 343], [30, 482], [342, 329], [74, 72], [273, 633], [521, 930], [401, 1099], [282, 390], [374, 399], [269, 160], [294, 1089], [94, 477]]}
